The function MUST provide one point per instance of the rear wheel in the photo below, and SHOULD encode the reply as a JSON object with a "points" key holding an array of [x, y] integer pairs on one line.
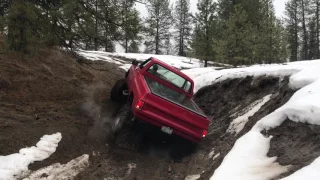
{"points": [[117, 91], [123, 116], [124, 134]]}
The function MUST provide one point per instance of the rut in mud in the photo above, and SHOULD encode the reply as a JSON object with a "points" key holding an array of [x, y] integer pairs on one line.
{"points": [[51, 92]]}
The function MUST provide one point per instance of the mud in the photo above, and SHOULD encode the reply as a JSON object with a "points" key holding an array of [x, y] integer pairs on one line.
{"points": [[301, 147], [51, 92]]}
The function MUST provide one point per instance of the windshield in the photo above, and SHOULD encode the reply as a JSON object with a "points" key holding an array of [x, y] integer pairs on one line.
{"points": [[171, 77]]}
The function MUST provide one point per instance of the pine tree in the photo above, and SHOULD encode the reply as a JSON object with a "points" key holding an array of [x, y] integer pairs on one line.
{"points": [[22, 24], [303, 8], [314, 28], [203, 39], [235, 47], [292, 27], [4, 6], [134, 47], [158, 23], [130, 25], [317, 11], [313, 47], [251, 34], [182, 25]]}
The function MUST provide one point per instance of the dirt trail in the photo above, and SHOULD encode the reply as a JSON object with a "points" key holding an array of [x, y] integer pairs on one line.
{"points": [[51, 92]]}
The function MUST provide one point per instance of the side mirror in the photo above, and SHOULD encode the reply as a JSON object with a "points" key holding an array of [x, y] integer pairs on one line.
{"points": [[135, 62]]}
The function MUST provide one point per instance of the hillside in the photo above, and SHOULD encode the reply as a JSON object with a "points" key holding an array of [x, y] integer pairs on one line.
{"points": [[264, 121]]}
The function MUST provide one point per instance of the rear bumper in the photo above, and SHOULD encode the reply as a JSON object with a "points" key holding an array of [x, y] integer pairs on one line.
{"points": [[183, 134]]}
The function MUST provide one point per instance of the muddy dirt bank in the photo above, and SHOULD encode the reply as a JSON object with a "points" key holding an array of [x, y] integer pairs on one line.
{"points": [[51, 92]]}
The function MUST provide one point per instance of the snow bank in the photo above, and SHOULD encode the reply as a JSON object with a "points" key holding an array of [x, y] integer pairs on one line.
{"points": [[16, 165], [178, 62], [175, 61], [248, 158], [303, 73], [62, 172]]}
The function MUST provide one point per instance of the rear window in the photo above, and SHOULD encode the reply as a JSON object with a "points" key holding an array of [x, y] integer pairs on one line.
{"points": [[145, 63], [171, 95], [171, 77]]}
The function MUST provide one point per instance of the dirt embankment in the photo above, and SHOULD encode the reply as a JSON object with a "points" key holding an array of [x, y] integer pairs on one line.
{"points": [[51, 92], [48, 92], [229, 99]]}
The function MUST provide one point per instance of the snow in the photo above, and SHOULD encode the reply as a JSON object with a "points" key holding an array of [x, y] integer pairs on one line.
{"points": [[211, 153], [175, 61], [193, 177], [215, 157], [63, 172], [248, 158], [130, 167], [303, 73], [16, 165], [178, 62], [238, 124]]}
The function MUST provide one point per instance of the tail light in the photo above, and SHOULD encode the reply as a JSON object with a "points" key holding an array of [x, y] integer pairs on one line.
{"points": [[139, 105], [204, 133]]}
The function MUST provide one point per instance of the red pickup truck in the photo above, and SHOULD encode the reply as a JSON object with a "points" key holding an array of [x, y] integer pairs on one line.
{"points": [[162, 96]]}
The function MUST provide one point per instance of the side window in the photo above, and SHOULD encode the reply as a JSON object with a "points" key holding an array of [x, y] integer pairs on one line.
{"points": [[187, 87]]}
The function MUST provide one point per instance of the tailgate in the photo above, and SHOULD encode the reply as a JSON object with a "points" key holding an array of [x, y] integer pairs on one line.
{"points": [[175, 116]]}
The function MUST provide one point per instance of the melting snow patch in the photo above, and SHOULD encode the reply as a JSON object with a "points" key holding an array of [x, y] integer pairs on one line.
{"points": [[192, 177], [216, 156], [16, 165], [211, 153], [130, 167], [63, 172], [238, 124]]}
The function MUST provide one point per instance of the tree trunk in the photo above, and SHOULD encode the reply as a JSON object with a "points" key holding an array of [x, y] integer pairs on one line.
{"points": [[96, 27], [317, 24], [305, 38], [157, 38], [126, 26], [296, 33]]}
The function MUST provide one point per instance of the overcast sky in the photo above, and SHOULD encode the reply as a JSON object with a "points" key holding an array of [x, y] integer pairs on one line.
{"points": [[278, 4]]}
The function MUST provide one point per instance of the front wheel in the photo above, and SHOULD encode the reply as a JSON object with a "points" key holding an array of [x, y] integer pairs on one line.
{"points": [[117, 91]]}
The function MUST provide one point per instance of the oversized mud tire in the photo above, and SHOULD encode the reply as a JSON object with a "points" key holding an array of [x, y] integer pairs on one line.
{"points": [[117, 91], [124, 115], [124, 134]]}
